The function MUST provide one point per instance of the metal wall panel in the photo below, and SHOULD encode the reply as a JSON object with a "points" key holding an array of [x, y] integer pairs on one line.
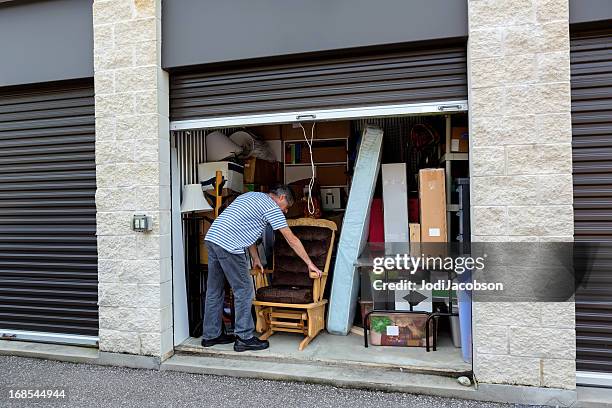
{"points": [[199, 32], [44, 41], [407, 76], [591, 81], [589, 11], [48, 255]]}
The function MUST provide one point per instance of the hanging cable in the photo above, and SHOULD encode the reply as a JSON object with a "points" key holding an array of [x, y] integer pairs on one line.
{"points": [[309, 201]]}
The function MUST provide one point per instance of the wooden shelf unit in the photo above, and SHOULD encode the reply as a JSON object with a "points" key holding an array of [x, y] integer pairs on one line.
{"points": [[330, 142]]}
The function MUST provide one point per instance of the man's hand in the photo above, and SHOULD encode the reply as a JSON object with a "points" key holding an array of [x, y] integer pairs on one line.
{"points": [[257, 264], [314, 272], [255, 257]]}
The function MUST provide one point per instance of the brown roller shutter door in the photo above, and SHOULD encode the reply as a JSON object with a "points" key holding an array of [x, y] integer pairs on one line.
{"points": [[591, 78], [48, 255], [368, 79]]}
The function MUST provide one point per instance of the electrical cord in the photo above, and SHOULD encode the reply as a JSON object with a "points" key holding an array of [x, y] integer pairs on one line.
{"points": [[310, 203]]}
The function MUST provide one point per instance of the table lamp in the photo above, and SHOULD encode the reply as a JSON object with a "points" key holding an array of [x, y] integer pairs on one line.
{"points": [[193, 199]]}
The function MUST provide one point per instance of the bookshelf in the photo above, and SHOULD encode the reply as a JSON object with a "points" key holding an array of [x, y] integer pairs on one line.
{"points": [[330, 160]]}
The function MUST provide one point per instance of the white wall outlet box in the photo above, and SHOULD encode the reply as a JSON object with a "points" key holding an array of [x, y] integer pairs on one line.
{"points": [[142, 223]]}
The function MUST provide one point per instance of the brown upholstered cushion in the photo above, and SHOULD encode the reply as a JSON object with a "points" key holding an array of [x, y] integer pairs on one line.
{"points": [[289, 269], [285, 294]]}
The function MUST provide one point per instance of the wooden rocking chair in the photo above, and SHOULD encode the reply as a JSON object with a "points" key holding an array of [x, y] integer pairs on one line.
{"points": [[290, 300]]}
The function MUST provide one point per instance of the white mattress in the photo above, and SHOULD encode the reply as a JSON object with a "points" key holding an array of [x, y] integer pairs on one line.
{"points": [[354, 235]]}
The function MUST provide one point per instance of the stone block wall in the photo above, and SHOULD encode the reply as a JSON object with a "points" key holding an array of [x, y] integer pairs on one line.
{"points": [[521, 173], [133, 176]]}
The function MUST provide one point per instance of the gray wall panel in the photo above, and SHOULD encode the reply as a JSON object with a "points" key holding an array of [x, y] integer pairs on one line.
{"points": [[206, 31], [45, 41], [588, 11]]}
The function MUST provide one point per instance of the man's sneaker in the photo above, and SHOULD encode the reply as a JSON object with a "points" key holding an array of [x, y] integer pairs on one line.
{"points": [[222, 339], [250, 344]]}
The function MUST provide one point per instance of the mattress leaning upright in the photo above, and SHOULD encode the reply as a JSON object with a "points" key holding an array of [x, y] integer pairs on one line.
{"points": [[354, 234]]}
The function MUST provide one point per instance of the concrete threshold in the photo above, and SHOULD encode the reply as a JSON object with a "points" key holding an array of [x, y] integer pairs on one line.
{"points": [[258, 358], [344, 351], [312, 372]]}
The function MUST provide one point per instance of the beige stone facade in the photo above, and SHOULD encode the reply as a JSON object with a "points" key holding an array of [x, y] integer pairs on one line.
{"points": [[521, 164], [133, 176], [521, 172]]}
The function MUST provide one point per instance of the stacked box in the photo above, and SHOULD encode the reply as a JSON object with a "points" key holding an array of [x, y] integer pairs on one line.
{"points": [[403, 330]]}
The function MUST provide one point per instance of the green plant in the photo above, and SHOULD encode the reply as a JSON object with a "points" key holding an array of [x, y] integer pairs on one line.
{"points": [[379, 323]]}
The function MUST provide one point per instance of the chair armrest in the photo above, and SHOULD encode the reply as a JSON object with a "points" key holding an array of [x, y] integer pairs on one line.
{"points": [[257, 271]]}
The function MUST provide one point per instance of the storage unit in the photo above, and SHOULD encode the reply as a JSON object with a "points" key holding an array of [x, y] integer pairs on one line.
{"points": [[393, 90], [48, 255], [591, 71]]}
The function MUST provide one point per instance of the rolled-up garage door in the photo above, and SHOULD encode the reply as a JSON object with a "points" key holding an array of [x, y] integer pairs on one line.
{"points": [[320, 82], [591, 70], [48, 256]]}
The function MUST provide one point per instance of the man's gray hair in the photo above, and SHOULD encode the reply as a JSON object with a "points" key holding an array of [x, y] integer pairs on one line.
{"points": [[283, 189]]}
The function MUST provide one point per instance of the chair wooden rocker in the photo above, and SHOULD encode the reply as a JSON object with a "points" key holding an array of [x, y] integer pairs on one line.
{"points": [[290, 300]]}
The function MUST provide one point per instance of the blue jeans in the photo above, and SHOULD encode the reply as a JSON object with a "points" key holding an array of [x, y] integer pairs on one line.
{"points": [[234, 267]]}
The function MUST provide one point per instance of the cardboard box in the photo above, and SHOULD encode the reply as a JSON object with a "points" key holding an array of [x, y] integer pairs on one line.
{"points": [[323, 130], [260, 171], [395, 202], [415, 232], [432, 194], [404, 330], [459, 140], [232, 172], [266, 132]]}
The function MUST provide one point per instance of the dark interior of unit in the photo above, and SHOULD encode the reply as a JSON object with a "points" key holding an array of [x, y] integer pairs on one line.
{"points": [[417, 141]]}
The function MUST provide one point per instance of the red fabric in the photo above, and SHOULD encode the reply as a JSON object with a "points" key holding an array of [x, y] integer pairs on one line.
{"points": [[413, 210], [377, 226]]}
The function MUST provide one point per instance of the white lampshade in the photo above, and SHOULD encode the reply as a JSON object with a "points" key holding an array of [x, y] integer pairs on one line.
{"points": [[244, 140], [193, 199], [219, 147]]}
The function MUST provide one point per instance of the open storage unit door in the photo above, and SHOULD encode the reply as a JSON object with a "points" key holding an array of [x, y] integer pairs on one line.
{"points": [[257, 90], [48, 252], [416, 96], [591, 71]]}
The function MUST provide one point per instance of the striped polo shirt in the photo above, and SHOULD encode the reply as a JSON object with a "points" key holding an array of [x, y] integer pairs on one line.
{"points": [[242, 223]]}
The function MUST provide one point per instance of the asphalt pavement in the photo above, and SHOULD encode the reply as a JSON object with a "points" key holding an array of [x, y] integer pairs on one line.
{"points": [[101, 386]]}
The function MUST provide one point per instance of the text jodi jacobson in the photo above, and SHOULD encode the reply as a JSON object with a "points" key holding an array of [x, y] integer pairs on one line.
{"points": [[405, 284], [405, 262]]}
